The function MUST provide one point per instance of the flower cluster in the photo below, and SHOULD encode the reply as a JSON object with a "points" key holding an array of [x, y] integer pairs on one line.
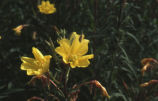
{"points": [[73, 52]]}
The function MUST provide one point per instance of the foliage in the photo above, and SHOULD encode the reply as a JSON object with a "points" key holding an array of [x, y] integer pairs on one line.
{"points": [[121, 34]]}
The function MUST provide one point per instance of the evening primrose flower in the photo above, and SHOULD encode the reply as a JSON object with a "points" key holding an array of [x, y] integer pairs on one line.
{"points": [[73, 51], [38, 65], [46, 7], [19, 28]]}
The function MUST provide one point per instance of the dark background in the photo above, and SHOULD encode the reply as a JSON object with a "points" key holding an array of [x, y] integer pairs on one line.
{"points": [[121, 34]]}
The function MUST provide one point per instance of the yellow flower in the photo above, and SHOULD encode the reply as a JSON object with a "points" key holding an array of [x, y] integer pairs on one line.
{"points": [[73, 51], [37, 66], [46, 7], [18, 29]]}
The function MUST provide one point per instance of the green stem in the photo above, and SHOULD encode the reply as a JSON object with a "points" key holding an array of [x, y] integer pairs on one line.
{"points": [[57, 88], [66, 80], [67, 75]]}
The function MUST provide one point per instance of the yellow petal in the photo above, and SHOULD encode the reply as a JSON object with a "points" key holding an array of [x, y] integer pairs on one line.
{"points": [[47, 3], [27, 59], [74, 40], [84, 60], [79, 44], [34, 72], [43, 3], [73, 64], [25, 66], [30, 72], [47, 62], [39, 72], [52, 9], [64, 48], [37, 54], [83, 47], [65, 59], [48, 57]]}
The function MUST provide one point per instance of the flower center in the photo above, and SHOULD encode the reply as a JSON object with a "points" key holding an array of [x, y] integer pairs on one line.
{"points": [[72, 58]]}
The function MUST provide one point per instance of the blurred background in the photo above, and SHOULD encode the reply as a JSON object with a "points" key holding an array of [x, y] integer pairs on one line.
{"points": [[121, 34]]}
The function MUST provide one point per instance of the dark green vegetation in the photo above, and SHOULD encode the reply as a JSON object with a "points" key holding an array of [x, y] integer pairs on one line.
{"points": [[121, 34]]}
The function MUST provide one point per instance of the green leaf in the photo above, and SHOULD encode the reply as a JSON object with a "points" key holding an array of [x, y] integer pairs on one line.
{"points": [[132, 36]]}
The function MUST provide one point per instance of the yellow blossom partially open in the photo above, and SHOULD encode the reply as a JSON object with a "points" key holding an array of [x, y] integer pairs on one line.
{"points": [[19, 28], [73, 51], [38, 65], [46, 7]]}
